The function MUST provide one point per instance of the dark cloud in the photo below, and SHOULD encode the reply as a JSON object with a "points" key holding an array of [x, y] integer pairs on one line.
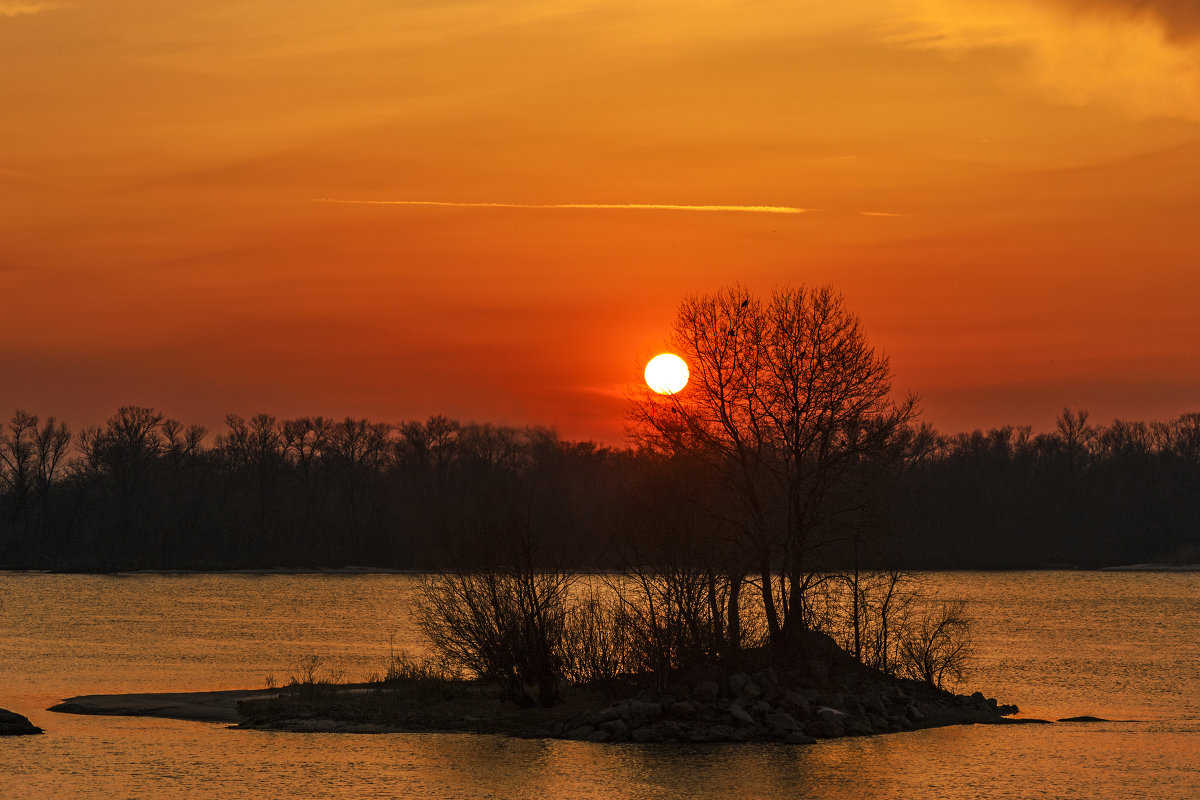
{"points": [[1180, 19]]}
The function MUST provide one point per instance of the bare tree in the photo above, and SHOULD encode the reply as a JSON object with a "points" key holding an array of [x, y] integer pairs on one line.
{"points": [[787, 403], [938, 646], [18, 447]]}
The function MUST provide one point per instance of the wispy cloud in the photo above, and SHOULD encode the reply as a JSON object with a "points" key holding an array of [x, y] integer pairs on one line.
{"points": [[17, 8], [600, 206], [881, 214], [1137, 56]]}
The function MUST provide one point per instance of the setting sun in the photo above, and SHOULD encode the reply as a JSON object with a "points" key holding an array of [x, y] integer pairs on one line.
{"points": [[666, 373]]}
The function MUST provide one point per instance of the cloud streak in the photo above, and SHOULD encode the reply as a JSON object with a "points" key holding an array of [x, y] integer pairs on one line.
{"points": [[16, 8], [575, 206]]}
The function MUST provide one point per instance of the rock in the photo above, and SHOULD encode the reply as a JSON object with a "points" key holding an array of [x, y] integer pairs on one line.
{"points": [[1084, 718], [608, 714], [582, 732], [617, 730], [706, 691], [762, 707], [636, 712], [857, 726], [914, 713], [827, 714], [648, 734], [702, 733], [13, 724], [600, 736], [742, 685], [825, 729], [748, 734], [781, 721], [683, 710], [874, 704], [799, 738], [740, 715], [721, 733], [795, 703]]}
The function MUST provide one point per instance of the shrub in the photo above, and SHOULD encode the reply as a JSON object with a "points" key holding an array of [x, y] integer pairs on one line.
{"points": [[937, 646], [501, 625]]}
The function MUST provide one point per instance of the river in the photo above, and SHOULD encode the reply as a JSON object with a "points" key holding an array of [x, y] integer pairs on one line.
{"points": [[1122, 646]]}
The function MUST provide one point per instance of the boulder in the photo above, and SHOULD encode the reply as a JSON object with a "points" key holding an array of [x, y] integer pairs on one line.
{"points": [[683, 710], [617, 730], [582, 732], [825, 729], [13, 724], [740, 715], [857, 726], [799, 738], [706, 691], [721, 733], [781, 721], [636, 712], [795, 703], [827, 714], [609, 714], [648, 734], [742, 685], [749, 734]]}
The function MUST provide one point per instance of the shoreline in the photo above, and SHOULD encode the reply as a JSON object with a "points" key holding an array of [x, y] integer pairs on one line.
{"points": [[749, 708], [207, 706]]}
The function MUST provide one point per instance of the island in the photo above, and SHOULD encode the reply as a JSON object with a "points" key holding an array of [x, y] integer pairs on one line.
{"points": [[825, 695]]}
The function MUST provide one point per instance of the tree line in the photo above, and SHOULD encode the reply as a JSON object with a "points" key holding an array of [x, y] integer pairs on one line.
{"points": [[785, 457], [145, 492]]}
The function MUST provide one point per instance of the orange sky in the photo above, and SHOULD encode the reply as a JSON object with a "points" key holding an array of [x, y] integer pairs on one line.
{"points": [[1030, 168]]}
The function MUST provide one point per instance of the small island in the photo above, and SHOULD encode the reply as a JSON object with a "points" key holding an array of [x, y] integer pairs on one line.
{"points": [[13, 724], [825, 695]]}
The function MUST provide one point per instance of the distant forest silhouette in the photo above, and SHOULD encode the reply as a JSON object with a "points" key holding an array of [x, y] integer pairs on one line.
{"points": [[146, 492]]}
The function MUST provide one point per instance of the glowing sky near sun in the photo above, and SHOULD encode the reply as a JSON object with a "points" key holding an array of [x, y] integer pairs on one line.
{"points": [[1003, 189]]}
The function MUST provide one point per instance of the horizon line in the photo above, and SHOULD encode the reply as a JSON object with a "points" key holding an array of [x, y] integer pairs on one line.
{"points": [[577, 206]]}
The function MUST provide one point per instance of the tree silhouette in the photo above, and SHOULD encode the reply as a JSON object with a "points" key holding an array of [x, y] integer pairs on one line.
{"points": [[789, 408]]}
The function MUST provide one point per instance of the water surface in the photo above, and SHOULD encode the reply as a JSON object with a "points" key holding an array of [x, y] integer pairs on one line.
{"points": [[1116, 645]]}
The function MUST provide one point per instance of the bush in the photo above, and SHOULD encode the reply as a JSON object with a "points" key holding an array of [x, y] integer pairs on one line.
{"points": [[938, 645], [501, 625], [597, 638]]}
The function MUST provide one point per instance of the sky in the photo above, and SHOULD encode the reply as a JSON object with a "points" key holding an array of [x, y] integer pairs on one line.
{"points": [[397, 208]]}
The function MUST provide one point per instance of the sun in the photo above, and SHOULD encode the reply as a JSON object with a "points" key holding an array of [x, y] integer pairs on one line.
{"points": [[666, 373]]}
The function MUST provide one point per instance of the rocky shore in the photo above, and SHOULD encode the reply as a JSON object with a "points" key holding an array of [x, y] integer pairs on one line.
{"points": [[826, 695], [823, 695], [13, 724], [759, 707]]}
